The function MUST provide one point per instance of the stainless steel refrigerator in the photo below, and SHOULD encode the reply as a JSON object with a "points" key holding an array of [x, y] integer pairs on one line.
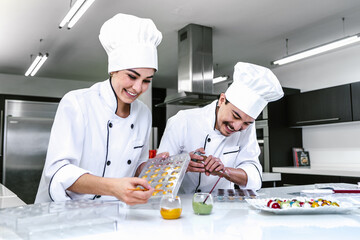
{"points": [[27, 126]]}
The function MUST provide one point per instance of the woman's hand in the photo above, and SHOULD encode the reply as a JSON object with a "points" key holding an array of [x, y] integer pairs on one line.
{"points": [[122, 189]]}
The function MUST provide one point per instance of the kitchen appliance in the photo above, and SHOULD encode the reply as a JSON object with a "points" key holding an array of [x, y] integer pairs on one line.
{"points": [[195, 68], [262, 134], [27, 126]]}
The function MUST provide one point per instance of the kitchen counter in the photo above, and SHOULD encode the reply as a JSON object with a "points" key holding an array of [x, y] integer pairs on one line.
{"points": [[234, 220], [8, 198], [320, 170]]}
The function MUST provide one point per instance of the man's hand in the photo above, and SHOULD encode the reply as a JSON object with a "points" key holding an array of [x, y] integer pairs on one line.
{"points": [[213, 166], [197, 161]]}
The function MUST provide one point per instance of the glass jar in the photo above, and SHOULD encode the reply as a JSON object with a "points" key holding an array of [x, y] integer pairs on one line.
{"points": [[170, 207], [199, 206]]}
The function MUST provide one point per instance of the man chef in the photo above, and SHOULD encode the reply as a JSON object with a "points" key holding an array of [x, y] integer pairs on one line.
{"points": [[224, 131], [99, 139]]}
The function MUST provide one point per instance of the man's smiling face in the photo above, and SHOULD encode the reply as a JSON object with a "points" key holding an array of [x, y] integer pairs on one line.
{"points": [[230, 119]]}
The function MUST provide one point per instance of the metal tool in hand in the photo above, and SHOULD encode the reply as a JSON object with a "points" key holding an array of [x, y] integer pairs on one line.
{"points": [[218, 173], [200, 154]]}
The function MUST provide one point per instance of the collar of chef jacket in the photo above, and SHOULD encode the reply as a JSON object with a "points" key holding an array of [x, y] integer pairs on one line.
{"points": [[211, 112], [108, 94]]}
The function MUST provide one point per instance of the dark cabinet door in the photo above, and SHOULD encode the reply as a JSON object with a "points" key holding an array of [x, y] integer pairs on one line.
{"points": [[295, 108], [355, 97], [329, 105], [282, 138]]}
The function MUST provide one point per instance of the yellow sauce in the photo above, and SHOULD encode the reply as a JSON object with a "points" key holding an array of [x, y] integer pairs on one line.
{"points": [[170, 213], [164, 174]]}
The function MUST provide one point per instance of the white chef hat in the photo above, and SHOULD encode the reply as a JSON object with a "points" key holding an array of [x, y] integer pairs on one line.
{"points": [[252, 88], [130, 42]]}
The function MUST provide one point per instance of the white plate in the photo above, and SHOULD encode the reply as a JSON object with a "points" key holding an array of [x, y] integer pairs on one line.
{"points": [[261, 204]]}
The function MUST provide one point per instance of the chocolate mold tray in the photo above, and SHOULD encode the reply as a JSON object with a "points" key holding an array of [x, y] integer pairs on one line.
{"points": [[165, 174], [232, 195]]}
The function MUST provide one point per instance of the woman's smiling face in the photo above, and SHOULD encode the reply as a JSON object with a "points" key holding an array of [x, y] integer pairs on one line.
{"points": [[129, 84], [230, 119]]}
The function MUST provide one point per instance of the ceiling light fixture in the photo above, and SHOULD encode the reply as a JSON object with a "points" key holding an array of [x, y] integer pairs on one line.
{"points": [[220, 79], [75, 13], [319, 49], [36, 65]]}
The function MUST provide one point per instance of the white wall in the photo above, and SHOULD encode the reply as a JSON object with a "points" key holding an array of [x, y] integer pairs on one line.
{"points": [[336, 145], [35, 86]]}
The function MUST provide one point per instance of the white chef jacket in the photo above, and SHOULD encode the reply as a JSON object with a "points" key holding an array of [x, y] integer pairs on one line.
{"points": [[191, 129], [88, 137]]}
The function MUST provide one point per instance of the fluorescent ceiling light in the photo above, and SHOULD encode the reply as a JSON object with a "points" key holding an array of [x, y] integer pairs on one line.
{"points": [[75, 13], [36, 65], [319, 49], [220, 79]]}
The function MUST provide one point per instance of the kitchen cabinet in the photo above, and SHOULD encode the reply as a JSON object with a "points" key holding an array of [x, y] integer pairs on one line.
{"points": [[282, 138], [329, 105], [355, 97], [300, 179]]}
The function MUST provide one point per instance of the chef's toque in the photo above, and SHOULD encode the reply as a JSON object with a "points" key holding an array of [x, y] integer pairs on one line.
{"points": [[130, 42], [252, 88]]}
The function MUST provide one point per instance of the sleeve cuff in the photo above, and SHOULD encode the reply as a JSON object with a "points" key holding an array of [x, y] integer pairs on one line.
{"points": [[62, 179], [254, 176]]}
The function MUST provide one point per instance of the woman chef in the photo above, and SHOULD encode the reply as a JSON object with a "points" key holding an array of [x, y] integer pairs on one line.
{"points": [[224, 131], [100, 135]]}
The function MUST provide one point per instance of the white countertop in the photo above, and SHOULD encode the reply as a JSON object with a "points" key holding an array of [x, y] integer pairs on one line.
{"points": [[233, 220], [319, 170], [8, 198]]}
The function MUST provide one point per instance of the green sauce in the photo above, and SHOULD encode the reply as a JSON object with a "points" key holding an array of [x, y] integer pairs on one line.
{"points": [[201, 208]]}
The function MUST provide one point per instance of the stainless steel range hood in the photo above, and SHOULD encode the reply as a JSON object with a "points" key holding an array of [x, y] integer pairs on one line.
{"points": [[195, 67]]}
